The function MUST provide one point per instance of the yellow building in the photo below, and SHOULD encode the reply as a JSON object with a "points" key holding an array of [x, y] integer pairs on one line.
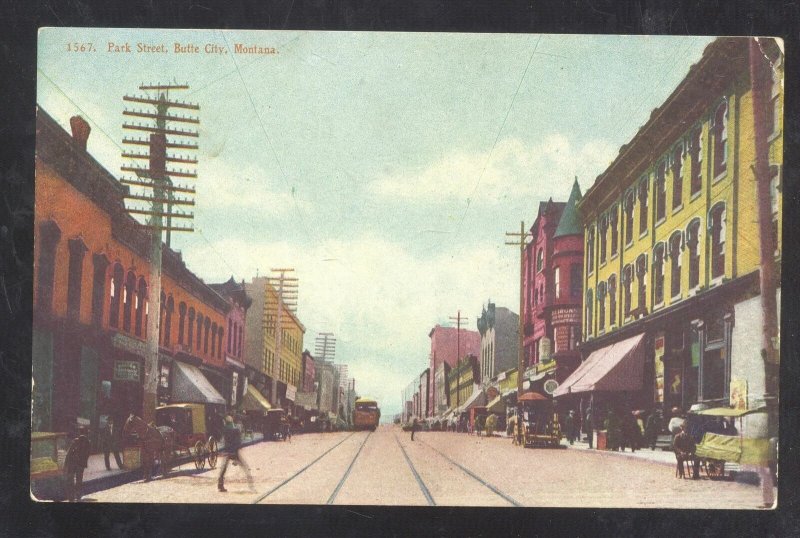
{"points": [[672, 241]]}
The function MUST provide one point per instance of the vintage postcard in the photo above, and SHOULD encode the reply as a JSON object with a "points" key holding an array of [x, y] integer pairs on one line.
{"points": [[301, 267]]}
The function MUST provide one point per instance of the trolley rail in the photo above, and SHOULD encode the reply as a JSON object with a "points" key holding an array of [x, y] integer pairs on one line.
{"points": [[420, 482]]}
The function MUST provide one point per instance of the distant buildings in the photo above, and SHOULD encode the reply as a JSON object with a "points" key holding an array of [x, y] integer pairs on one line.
{"points": [[499, 330]]}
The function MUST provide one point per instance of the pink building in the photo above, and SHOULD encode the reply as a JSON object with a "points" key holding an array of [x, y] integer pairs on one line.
{"points": [[552, 290], [448, 344]]}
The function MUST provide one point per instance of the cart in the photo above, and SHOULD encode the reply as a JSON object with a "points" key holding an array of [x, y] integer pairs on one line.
{"points": [[540, 426], [192, 437], [715, 450], [48, 452], [276, 426]]}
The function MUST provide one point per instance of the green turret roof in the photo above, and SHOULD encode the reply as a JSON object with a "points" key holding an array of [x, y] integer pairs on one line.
{"points": [[570, 223]]}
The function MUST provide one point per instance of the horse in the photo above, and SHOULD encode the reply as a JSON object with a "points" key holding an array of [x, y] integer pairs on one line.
{"points": [[154, 441]]}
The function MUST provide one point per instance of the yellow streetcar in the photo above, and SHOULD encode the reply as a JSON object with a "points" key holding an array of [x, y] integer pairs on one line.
{"points": [[366, 414]]}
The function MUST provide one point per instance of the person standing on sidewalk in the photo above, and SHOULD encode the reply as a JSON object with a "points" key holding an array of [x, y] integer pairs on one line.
{"points": [[413, 428], [569, 426], [588, 425], [232, 450], [109, 440], [75, 462]]}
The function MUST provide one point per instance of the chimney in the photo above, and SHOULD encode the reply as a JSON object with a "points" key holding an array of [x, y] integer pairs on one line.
{"points": [[80, 131]]}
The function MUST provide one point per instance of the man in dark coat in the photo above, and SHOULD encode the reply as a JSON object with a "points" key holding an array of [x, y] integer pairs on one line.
{"points": [[75, 462], [110, 442], [684, 447], [569, 426], [232, 451], [414, 426]]}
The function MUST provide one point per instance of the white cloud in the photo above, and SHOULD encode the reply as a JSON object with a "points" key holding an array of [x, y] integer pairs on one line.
{"points": [[523, 169]]}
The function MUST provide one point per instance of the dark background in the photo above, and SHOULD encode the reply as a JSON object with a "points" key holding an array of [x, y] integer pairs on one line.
{"points": [[19, 21]]}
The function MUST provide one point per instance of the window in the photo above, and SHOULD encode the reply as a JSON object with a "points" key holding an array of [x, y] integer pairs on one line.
{"points": [[51, 234], [77, 250], [675, 247], [573, 336], [774, 196], [627, 285], [713, 374], [241, 341], [717, 229], [661, 190], [612, 300], [696, 151], [128, 294], [213, 339], [557, 282], [140, 307], [677, 176], [601, 306], [721, 138], [116, 290], [641, 274], [170, 308], [693, 246], [601, 229], [589, 301], [191, 327], [539, 260], [181, 321], [575, 280], [206, 327], [199, 343], [629, 203], [590, 251], [100, 263], [219, 341], [643, 207], [658, 273], [612, 220]]}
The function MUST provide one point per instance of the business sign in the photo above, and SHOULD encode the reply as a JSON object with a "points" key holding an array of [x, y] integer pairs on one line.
{"points": [[550, 386], [234, 386], [291, 392], [564, 316], [659, 367], [545, 349], [126, 371]]}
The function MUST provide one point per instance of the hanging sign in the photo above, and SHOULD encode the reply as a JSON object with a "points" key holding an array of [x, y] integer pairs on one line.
{"points": [[126, 371], [550, 386]]}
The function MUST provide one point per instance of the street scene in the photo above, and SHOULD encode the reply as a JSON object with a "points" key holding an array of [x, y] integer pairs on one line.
{"points": [[407, 269]]}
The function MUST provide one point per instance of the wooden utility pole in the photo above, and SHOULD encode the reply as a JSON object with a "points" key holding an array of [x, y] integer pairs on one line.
{"points": [[154, 184], [520, 241], [285, 288]]}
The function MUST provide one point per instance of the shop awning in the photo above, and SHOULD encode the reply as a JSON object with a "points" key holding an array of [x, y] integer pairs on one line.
{"points": [[618, 367], [497, 405], [477, 398], [189, 385], [254, 400]]}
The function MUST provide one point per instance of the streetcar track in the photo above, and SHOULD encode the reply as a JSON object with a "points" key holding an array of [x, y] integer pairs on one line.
{"points": [[491, 487], [420, 483], [347, 472], [298, 473]]}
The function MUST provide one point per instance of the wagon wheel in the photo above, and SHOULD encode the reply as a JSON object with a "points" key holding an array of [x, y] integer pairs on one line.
{"points": [[212, 452], [199, 455], [715, 468]]}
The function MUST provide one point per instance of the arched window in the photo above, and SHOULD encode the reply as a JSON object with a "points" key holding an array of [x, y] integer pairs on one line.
{"points": [[602, 228], [181, 321], [199, 343], [627, 286], [693, 247], [189, 339], [557, 282], [50, 236], [117, 283], [206, 327], [675, 248], [539, 260], [696, 150], [630, 200], [77, 251], [612, 300], [612, 222], [643, 206], [601, 306], [641, 275], [241, 341], [677, 176], [219, 341], [658, 273], [214, 339], [100, 263], [716, 225], [721, 138], [128, 294], [590, 251], [141, 301], [575, 280], [661, 191], [168, 321], [230, 331], [589, 301]]}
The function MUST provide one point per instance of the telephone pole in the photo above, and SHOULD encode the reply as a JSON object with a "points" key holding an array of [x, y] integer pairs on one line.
{"points": [[285, 288], [457, 319], [325, 346], [519, 240], [153, 183]]}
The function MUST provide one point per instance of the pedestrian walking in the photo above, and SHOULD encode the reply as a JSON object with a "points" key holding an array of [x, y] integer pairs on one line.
{"points": [[232, 451], [613, 431], [110, 442], [75, 462], [569, 426], [588, 425], [653, 428], [413, 428]]}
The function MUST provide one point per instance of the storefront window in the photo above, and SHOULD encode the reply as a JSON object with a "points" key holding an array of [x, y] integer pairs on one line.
{"points": [[713, 374], [100, 264]]}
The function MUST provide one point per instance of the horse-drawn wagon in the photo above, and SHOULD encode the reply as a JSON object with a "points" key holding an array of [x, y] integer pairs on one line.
{"points": [[192, 435]]}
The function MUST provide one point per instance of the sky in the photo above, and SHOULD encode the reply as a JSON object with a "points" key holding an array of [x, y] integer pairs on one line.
{"points": [[384, 167]]}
